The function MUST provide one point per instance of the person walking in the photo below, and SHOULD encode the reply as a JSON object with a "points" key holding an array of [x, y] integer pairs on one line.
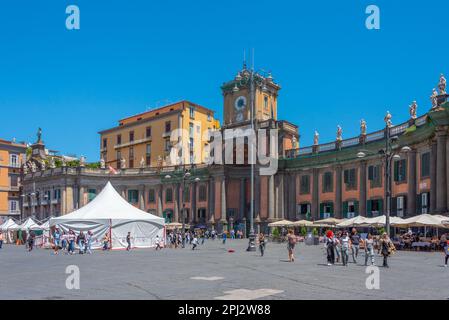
{"points": [[329, 245], [446, 253], [291, 243], [106, 241], [56, 241], [71, 238], [369, 249], [225, 236], [89, 238], [158, 243], [385, 248], [30, 241], [337, 246], [345, 247], [81, 242], [194, 242], [1, 239], [128, 241], [262, 243], [355, 244]]}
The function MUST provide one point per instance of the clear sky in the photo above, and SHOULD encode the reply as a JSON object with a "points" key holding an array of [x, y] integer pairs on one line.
{"points": [[132, 55]]}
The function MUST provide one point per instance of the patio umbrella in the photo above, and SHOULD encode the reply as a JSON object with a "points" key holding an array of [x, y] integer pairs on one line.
{"points": [[176, 225], [357, 221], [281, 223], [423, 220], [380, 221], [302, 223], [330, 221]]}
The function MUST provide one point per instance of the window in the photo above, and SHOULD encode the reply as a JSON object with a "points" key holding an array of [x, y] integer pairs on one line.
{"points": [[92, 193], [202, 193], [131, 136], [148, 155], [326, 210], [209, 117], [399, 206], [350, 209], [350, 179], [105, 143], [400, 171], [304, 185], [375, 176], [423, 202], [14, 181], [192, 112], [151, 196], [328, 183], [304, 210], [131, 157], [168, 195], [191, 132], [133, 196], [425, 165], [119, 139], [374, 207], [119, 157], [167, 127], [191, 144], [13, 206], [265, 103], [14, 161], [148, 132], [57, 194]]}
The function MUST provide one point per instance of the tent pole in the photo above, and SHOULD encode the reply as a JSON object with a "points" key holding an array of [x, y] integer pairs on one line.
{"points": [[110, 231]]}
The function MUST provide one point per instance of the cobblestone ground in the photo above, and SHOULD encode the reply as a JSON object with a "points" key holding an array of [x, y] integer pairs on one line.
{"points": [[213, 273]]}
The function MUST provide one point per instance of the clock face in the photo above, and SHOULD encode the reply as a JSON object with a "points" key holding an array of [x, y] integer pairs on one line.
{"points": [[240, 104]]}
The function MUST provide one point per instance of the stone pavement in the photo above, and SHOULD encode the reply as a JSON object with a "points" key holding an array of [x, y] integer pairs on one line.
{"points": [[213, 273]]}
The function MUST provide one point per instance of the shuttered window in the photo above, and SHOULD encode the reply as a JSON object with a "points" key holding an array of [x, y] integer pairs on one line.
{"points": [[304, 185]]}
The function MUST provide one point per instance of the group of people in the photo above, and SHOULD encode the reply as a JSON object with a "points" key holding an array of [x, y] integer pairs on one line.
{"points": [[342, 244], [66, 241]]}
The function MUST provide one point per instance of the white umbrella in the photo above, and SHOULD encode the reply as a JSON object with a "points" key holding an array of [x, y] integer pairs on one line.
{"points": [[302, 223], [282, 223], [329, 221], [381, 221], [356, 221], [423, 220]]}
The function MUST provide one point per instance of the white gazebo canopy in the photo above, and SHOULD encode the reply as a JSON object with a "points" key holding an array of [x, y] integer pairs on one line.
{"points": [[110, 213], [29, 224], [356, 221], [9, 225], [423, 220], [281, 223]]}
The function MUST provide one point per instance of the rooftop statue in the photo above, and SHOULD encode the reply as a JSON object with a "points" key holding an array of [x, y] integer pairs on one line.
{"points": [[316, 138], [102, 163], [413, 109], [339, 133], [442, 85], [122, 163], [43, 165], [433, 98], [39, 135], [363, 127], [142, 163], [387, 119], [52, 163]]}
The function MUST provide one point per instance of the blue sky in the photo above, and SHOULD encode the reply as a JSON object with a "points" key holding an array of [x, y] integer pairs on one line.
{"points": [[133, 55]]}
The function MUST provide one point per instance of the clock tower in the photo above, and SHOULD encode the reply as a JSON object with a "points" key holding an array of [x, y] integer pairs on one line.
{"points": [[237, 98]]}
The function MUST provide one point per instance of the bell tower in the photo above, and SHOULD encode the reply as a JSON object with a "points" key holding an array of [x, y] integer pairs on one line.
{"points": [[248, 86]]}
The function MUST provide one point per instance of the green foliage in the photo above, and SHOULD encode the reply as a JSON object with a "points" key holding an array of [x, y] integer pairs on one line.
{"points": [[93, 165], [315, 232], [380, 230], [276, 233], [303, 231], [28, 153]]}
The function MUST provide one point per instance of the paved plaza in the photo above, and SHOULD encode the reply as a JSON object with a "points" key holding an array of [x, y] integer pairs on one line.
{"points": [[214, 273]]}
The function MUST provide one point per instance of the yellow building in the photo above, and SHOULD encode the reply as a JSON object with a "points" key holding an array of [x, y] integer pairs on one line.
{"points": [[145, 140], [12, 156]]}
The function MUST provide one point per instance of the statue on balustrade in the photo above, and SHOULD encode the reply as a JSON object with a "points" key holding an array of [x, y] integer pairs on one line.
{"points": [[413, 109], [102, 164], [123, 163], [25, 168], [387, 119], [339, 133], [442, 85], [363, 127], [43, 165], [82, 161], [52, 163], [316, 138], [434, 99], [142, 163]]}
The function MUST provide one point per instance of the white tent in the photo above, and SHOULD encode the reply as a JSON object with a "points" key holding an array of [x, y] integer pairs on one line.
{"points": [[423, 220], [45, 226], [359, 220], [110, 214], [8, 225], [29, 224]]}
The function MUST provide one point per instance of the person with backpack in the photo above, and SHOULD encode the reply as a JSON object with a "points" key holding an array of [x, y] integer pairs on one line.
{"points": [[291, 239]]}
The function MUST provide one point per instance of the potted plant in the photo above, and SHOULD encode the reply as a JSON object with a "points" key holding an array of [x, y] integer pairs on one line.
{"points": [[316, 238]]}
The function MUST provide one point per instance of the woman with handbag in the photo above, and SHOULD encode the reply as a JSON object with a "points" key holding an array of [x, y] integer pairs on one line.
{"points": [[385, 248]]}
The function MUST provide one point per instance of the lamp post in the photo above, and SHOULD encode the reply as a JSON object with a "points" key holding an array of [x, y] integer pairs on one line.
{"points": [[389, 154], [254, 80]]}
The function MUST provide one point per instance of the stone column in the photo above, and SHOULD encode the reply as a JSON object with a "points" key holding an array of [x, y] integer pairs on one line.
{"points": [[411, 193], [271, 191], [177, 204], [433, 176], [223, 201], [291, 200], [441, 172], [315, 207], [211, 200], [159, 201], [338, 193], [142, 197], [82, 190], [363, 189], [242, 209], [256, 196], [193, 214]]}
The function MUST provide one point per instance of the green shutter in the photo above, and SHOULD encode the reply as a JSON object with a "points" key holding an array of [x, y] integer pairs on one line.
{"points": [[345, 209], [356, 208], [396, 170], [321, 210], [381, 210], [404, 171], [332, 209]]}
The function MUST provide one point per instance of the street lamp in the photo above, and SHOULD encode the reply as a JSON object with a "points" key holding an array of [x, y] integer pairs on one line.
{"points": [[253, 79], [389, 154]]}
